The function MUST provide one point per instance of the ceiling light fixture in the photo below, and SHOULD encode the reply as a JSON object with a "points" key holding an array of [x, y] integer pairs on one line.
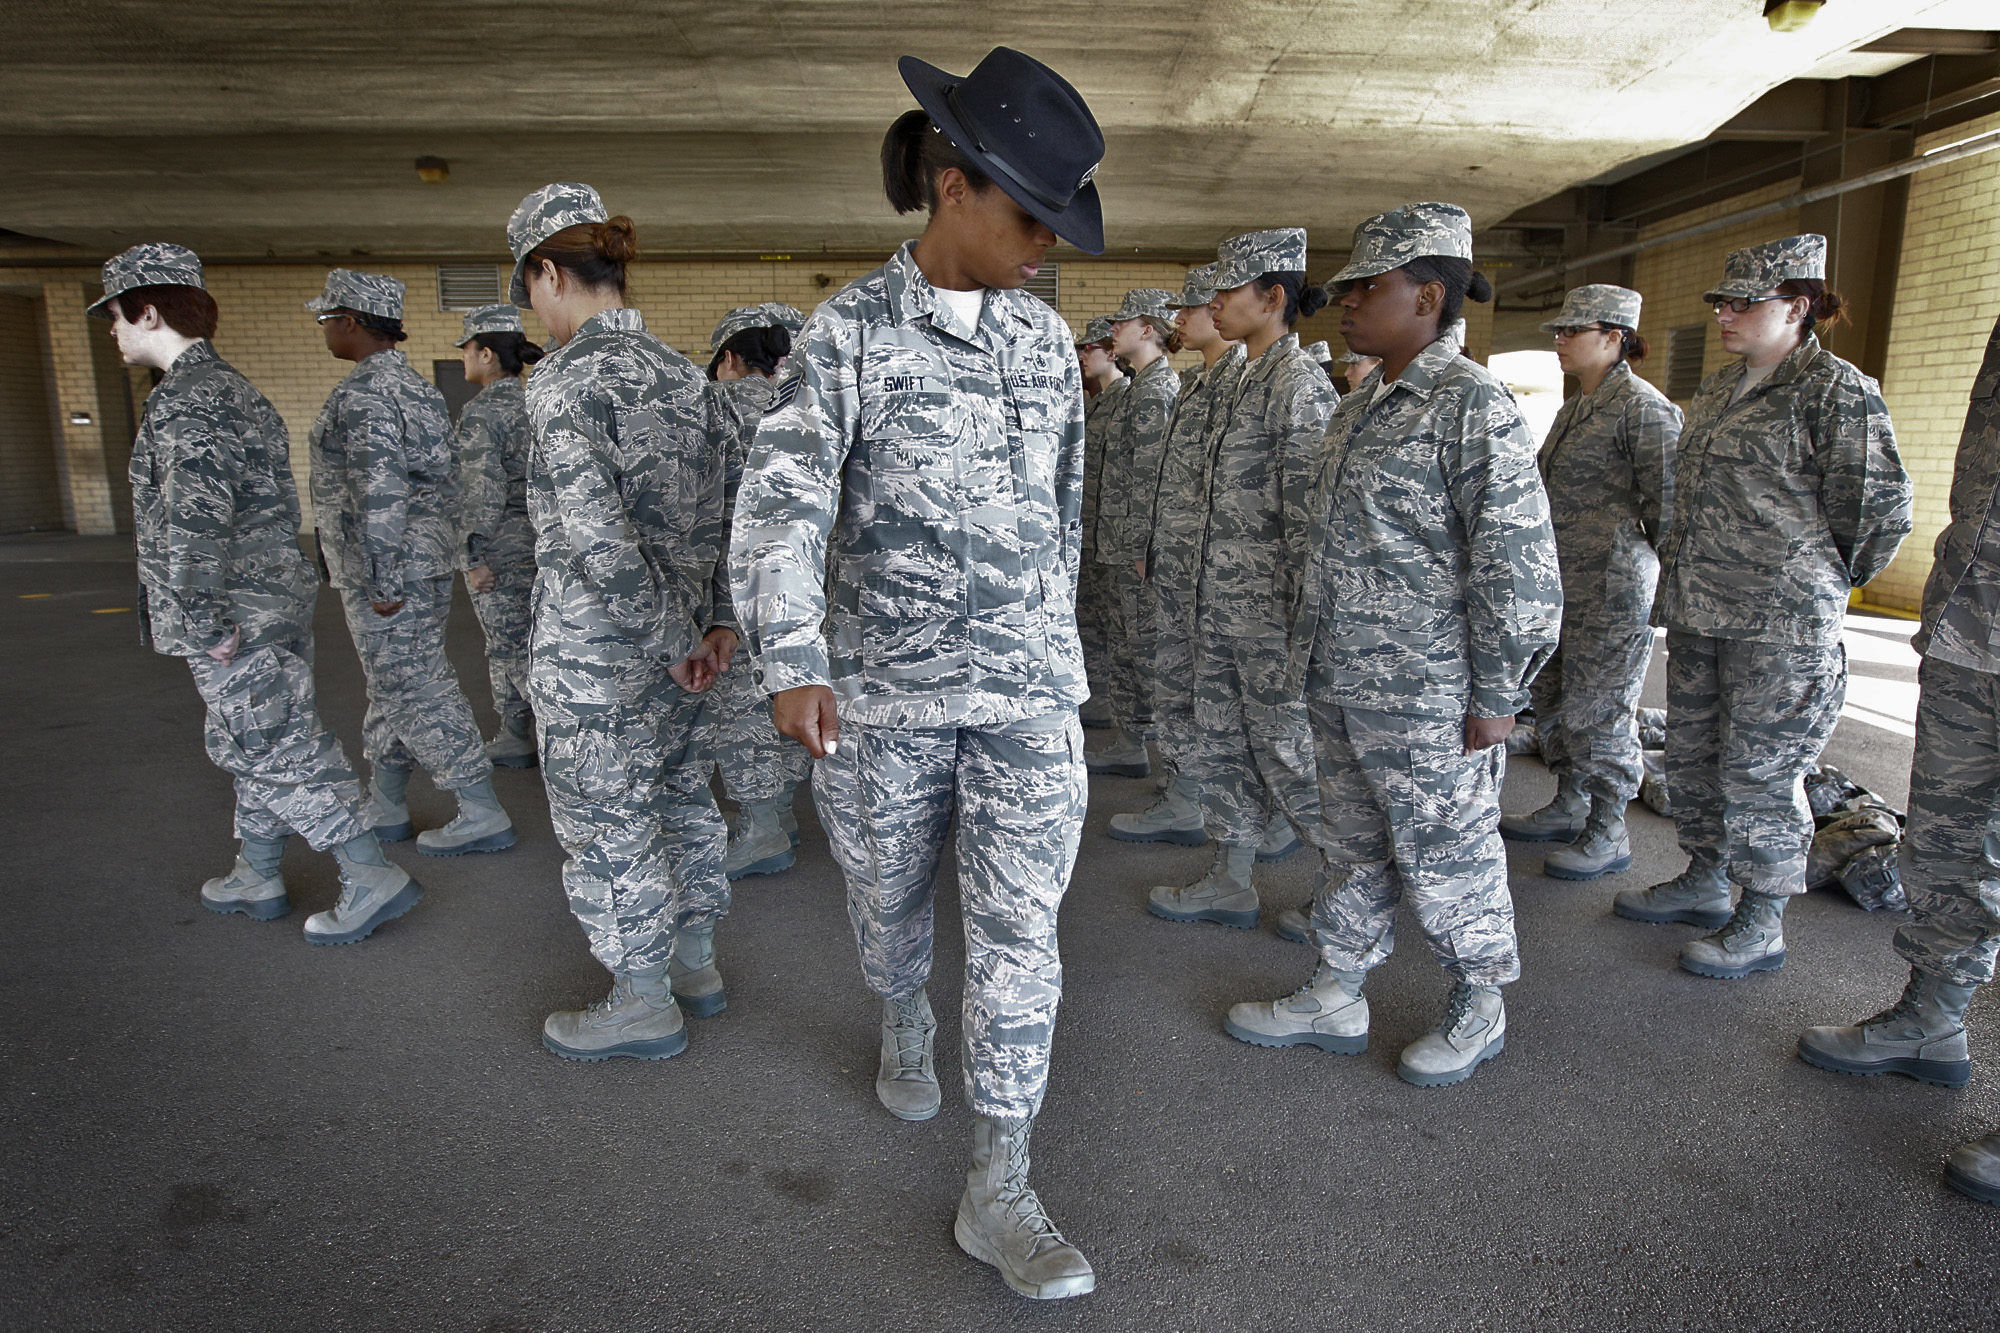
{"points": [[433, 170], [1791, 15]]}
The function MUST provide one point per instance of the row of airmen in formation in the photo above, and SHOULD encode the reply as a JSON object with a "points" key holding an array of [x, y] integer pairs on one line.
{"points": [[1324, 611]]}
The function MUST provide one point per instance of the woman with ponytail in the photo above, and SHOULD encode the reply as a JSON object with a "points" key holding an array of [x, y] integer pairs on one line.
{"points": [[1253, 758], [496, 541], [921, 469], [625, 493], [1431, 599]]}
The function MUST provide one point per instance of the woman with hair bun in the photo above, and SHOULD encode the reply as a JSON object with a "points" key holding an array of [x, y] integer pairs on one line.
{"points": [[1788, 495], [1431, 600], [496, 541], [1254, 754], [625, 492]]}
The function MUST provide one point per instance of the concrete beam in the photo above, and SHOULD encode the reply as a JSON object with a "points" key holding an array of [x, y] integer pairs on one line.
{"points": [[1934, 42]]}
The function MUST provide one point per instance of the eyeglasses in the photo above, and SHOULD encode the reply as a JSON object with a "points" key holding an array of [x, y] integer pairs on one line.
{"points": [[1571, 330], [1740, 305], [330, 316]]}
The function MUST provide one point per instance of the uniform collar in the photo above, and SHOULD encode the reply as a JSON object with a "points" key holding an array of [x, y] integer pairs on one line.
{"points": [[1264, 365], [199, 353], [1422, 375], [1158, 367], [1615, 382], [382, 360], [911, 298], [1794, 364], [623, 319]]}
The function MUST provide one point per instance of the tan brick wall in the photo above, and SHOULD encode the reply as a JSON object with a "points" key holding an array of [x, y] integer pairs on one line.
{"points": [[30, 491], [73, 370]]}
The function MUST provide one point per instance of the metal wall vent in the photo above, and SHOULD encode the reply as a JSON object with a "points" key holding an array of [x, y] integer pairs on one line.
{"points": [[1686, 346], [1044, 284], [469, 286]]}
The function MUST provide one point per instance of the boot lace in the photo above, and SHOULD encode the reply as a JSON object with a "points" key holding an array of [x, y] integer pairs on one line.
{"points": [[909, 1030], [1456, 1006], [1022, 1205]]}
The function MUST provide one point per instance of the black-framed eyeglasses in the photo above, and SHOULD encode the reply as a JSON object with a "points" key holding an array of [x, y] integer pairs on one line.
{"points": [[1571, 330], [330, 316], [1740, 305]]}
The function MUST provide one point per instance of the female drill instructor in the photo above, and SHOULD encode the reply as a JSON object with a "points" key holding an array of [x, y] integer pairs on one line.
{"points": [[1431, 599], [1788, 495], [625, 490], [922, 462]]}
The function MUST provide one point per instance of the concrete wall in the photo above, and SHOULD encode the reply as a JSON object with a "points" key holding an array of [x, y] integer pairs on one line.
{"points": [[30, 490]]}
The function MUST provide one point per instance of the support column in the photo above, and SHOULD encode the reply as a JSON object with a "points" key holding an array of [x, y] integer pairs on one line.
{"points": [[1863, 228], [78, 419]]}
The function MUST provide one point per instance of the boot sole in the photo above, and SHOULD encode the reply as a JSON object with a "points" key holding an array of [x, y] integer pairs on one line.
{"points": [[394, 832], [515, 761], [1768, 963], [410, 895], [1272, 858], [1325, 1041], [659, 1048], [1417, 1080], [1119, 770], [1623, 863], [492, 842], [1178, 837], [1971, 1187], [1554, 835], [770, 865], [702, 1006], [1714, 919], [1081, 1285], [1234, 920], [1937, 1073], [1295, 936], [910, 1116], [266, 909]]}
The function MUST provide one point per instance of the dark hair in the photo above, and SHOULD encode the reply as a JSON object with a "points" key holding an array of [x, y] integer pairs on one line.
{"points": [[188, 311], [914, 153], [516, 353], [1458, 279], [594, 253], [389, 330], [1301, 297], [1631, 346], [1828, 306], [761, 348]]}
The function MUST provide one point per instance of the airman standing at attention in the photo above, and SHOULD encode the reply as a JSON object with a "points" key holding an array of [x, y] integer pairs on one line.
{"points": [[1103, 384]]}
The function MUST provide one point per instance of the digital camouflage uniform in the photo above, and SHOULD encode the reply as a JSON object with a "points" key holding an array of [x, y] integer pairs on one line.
{"points": [[1608, 468], [1785, 500], [384, 493], [1254, 756], [1135, 437], [934, 472], [215, 522], [1094, 611], [1433, 595], [493, 441]]}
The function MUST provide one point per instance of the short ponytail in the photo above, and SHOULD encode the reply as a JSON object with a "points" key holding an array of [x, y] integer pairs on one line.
{"points": [[513, 350], [914, 154], [1301, 297], [1828, 308], [1458, 279]]}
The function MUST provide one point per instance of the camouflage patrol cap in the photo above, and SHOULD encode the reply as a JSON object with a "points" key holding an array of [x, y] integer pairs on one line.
{"points": [[490, 319], [1255, 253], [1097, 331], [766, 315], [1414, 231], [1756, 270], [1353, 358], [1197, 289], [540, 216], [1145, 303], [1597, 303], [152, 264], [1319, 352], [367, 293]]}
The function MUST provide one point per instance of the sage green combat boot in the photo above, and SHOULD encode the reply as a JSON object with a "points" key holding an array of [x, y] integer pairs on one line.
{"points": [[373, 892], [692, 973], [1224, 895], [906, 1079], [1558, 821], [1603, 848], [1472, 1031], [1973, 1169], [1125, 757], [1698, 896], [1753, 941], [1328, 1012], [1001, 1221], [513, 746], [638, 1020], [254, 886], [1280, 839], [386, 811], [1174, 818], [1921, 1035], [759, 845]]}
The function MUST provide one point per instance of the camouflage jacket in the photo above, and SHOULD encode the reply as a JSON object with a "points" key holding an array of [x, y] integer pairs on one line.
{"points": [[493, 443], [625, 492], [1097, 414], [1266, 457], [1433, 588], [215, 513], [1962, 595], [1608, 467], [383, 486], [938, 470], [1135, 438], [736, 407], [1783, 502], [1180, 505]]}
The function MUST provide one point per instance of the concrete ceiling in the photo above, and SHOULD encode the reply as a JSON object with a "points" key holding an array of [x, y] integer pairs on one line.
{"points": [[288, 128]]}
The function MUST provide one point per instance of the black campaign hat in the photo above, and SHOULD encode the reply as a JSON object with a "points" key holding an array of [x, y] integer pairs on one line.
{"points": [[1025, 127]]}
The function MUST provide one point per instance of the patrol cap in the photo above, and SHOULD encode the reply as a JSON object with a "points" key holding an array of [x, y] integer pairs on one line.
{"points": [[1319, 352], [368, 293], [1414, 231], [1197, 289], [1024, 126], [490, 319], [766, 315], [1097, 331], [1756, 270], [1255, 253], [1598, 303], [1145, 303], [540, 216], [1353, 358], [151, 264]]}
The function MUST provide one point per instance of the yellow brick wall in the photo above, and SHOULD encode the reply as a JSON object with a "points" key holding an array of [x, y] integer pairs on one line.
{"points": [[30, 491], [1946, 301]]}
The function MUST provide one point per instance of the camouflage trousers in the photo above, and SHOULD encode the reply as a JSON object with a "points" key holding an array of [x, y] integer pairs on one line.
{"points": [[1410, 814], [1132, 642], [757, 761], [1586, 700], [887, 800], [504, 618], [263, 727], [1254, 752], [416, 712], [1093, 613], [1951, 848], [631, 806], [1745, 723], [1173, 676]]}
